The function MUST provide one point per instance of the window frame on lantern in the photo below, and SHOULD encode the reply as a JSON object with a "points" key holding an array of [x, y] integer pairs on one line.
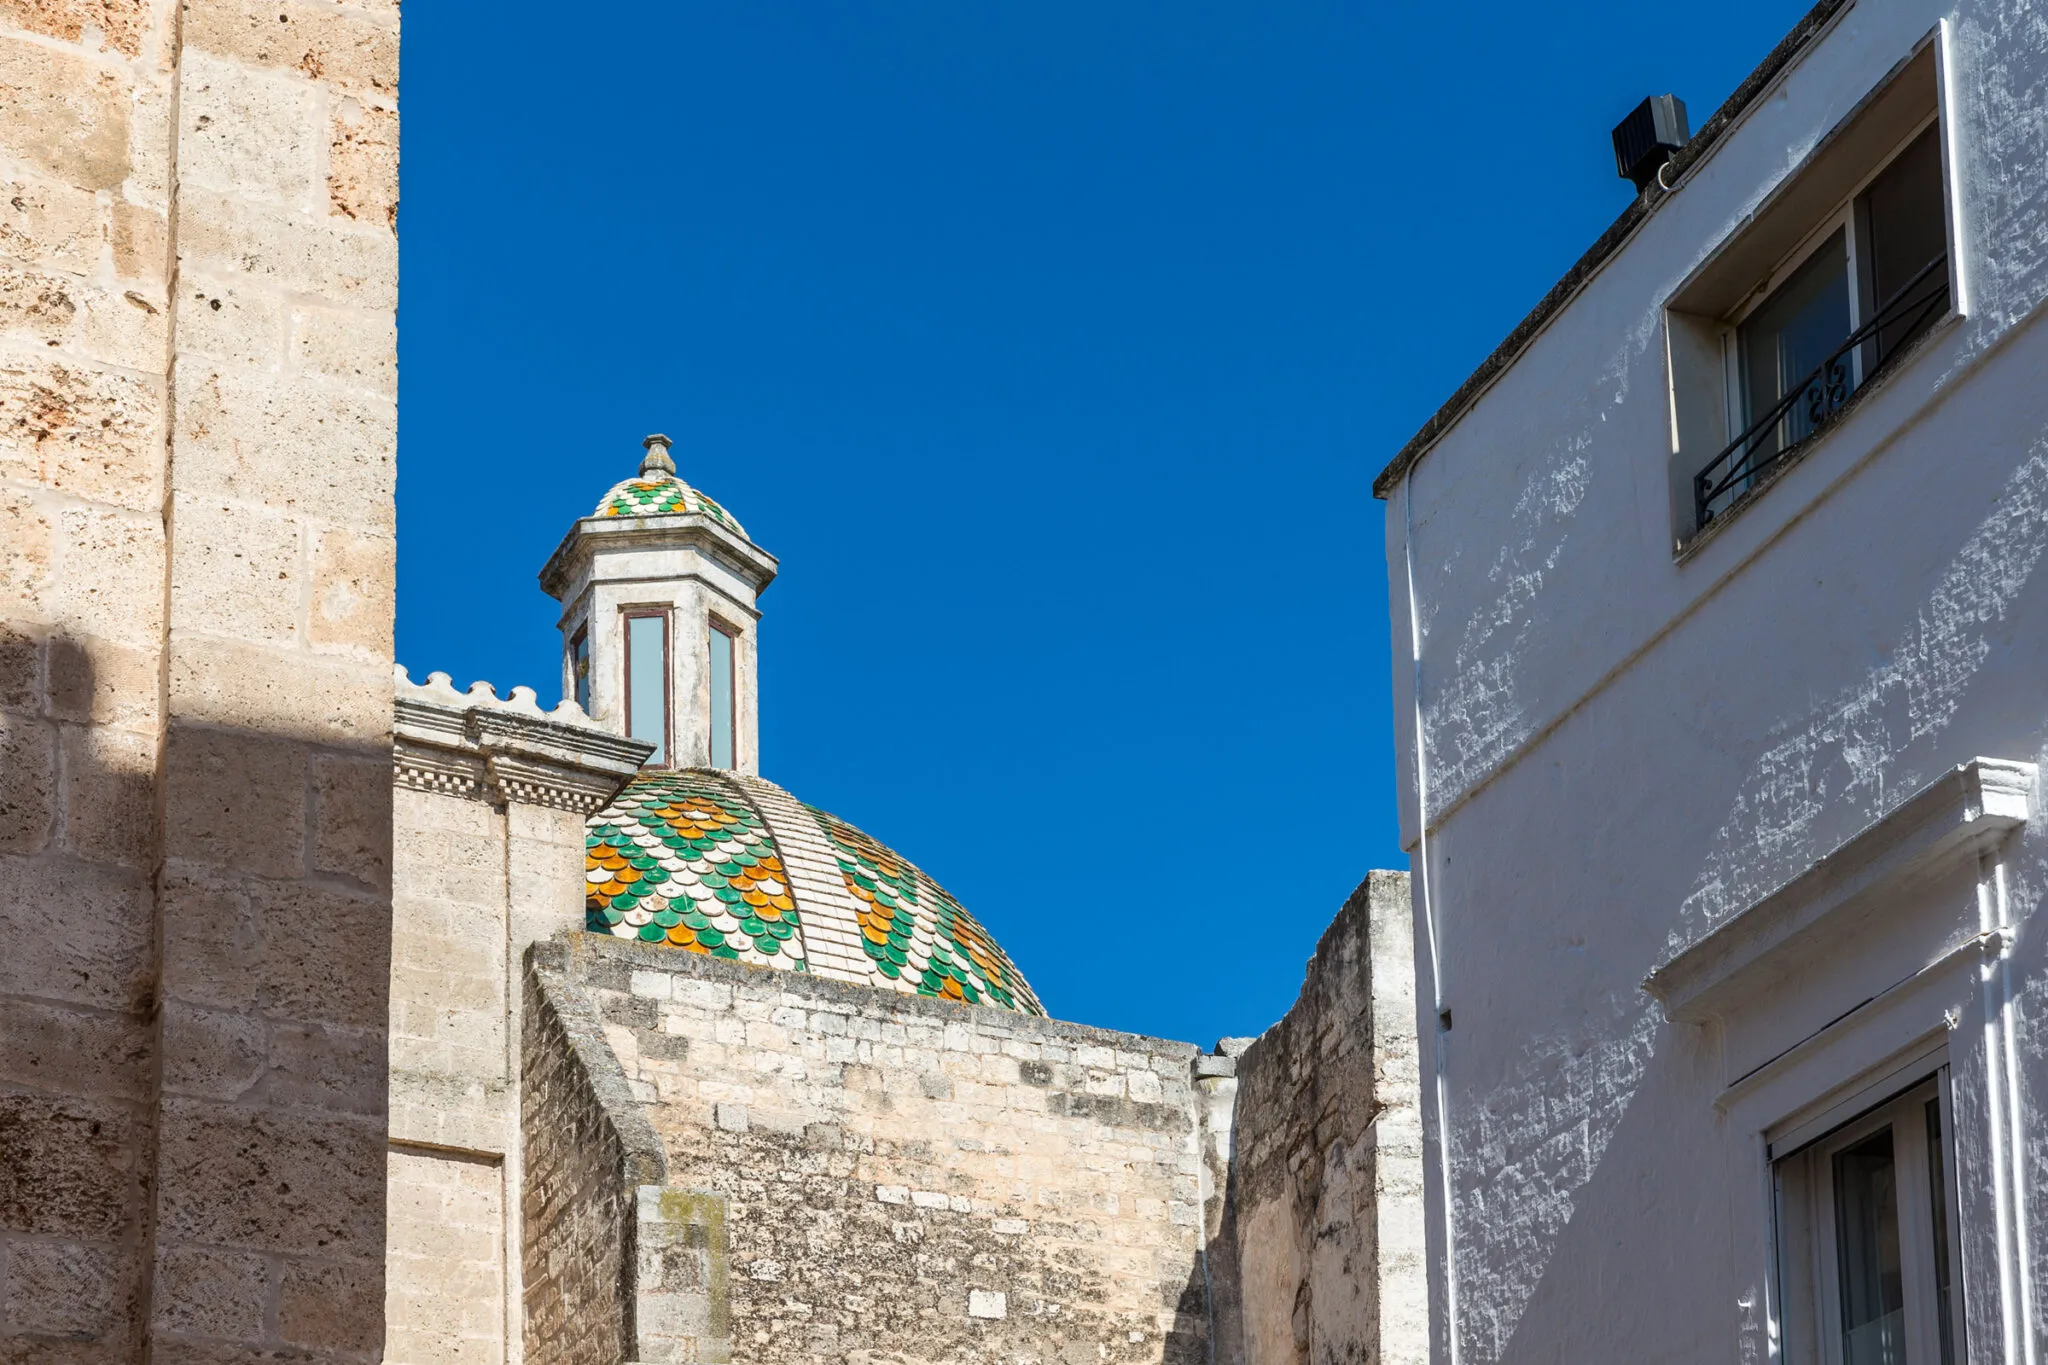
{"points": [[663, 756], [579, 667], [719, 628]]}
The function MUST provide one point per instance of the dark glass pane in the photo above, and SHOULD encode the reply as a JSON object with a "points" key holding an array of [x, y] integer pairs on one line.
{"points": [[721, 699], [1867, 1249], [1907, 235], [1937, 1183], [1784, 343], [579, 666]]}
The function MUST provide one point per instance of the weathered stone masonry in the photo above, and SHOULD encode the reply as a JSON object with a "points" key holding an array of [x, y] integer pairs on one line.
{"points": [[198, 271], [231, 1047], [1323, 1225], [607, 1151], [588, 1149], [913, 1178], [723, 1162], [490, 801]]}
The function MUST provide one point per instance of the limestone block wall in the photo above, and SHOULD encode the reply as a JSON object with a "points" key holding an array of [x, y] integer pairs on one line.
{"points": [[909, 1180], [450, 1092], [682, 1289], [1323, 1226], [489, 801], [198, 272], [588, 1152]]}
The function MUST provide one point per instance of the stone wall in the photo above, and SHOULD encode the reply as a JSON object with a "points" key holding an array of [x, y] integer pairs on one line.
{"points": [[1323, 1219], [588, 1151], [682, 1292], [488, 813], [446, 1274], [910, 1180], [198, 271]]}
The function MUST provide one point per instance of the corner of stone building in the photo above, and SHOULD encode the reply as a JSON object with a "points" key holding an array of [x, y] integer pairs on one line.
{"points": [[1319, 1232], [617, 1265], [197, 256], [1215, 1088], [682, 1296]]}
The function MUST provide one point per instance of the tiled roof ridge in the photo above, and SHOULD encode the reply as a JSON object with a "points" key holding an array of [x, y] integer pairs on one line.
{"points": [[825, 910], [1017, 987]]}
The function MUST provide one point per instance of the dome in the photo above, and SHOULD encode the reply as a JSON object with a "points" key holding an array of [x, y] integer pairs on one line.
{"points": [[660, 495], [715, 862]]}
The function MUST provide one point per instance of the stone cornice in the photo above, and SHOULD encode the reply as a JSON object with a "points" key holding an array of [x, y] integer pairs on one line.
{"points": [[1962, 813], [478, 746], [675, 530]]}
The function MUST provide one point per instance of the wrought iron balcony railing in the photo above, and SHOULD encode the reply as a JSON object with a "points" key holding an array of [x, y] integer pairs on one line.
{"points": [[1823, 393]]}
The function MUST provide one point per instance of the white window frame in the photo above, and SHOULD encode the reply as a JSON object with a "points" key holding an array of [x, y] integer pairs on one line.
{"points": [[1701, 315], [1809, 1272], [1912, 887], [1843, 218]]}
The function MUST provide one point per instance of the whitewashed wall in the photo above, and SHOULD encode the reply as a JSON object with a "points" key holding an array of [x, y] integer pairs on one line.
{"points": [[1618, 750]]}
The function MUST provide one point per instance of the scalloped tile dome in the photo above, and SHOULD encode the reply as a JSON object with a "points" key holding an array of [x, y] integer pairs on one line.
{"points": [[661, 495], [714, 862]]}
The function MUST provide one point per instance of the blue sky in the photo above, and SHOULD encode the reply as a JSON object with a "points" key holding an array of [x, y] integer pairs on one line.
{"points": [[1053, 349]]}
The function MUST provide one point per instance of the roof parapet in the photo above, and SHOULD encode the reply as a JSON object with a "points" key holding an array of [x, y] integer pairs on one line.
{"points": [[480, 746]]}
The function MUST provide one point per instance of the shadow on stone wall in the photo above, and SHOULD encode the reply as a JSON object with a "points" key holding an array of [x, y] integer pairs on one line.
{"points": [[194, 992]]}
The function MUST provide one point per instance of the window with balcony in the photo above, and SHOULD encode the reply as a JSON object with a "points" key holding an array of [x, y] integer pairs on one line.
{"points": [[1875, 283], [1828, 285]]}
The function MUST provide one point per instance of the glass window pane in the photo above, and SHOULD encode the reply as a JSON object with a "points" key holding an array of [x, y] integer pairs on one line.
{"points": [[579, 668], [721, 699], [1937, 1183], [1784, 342], [1867, 1251], [1907, 235], [647, 683]]}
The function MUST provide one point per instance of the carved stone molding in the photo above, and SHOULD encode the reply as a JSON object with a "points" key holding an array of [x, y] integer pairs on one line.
{"points": [[1961, 813], [477, 746]]}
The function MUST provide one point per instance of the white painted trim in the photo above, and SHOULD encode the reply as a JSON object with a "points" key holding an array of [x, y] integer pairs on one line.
{"points": [[1917, 1028], [1905, 1070], [1951, 165], [1962, 813], [1809, 1197], [1447, 1264], [2005, 1119]]}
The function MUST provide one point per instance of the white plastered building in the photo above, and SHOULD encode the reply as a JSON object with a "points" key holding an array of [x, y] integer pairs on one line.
{"points": [[1720, 622]]}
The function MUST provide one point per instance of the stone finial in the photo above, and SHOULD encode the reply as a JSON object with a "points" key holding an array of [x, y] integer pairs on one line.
{"points": [[656, 461]]}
